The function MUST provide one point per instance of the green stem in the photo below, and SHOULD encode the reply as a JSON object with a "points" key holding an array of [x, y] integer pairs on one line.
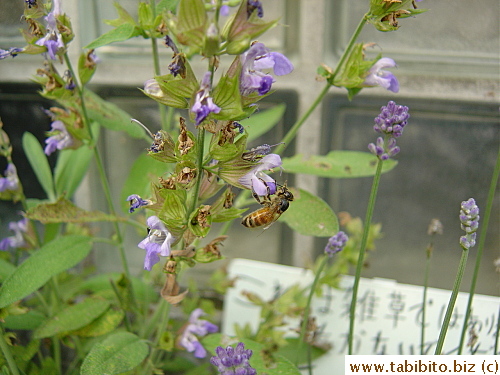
{"points": [[307, 309], [482, 239], [424, 299], [362, 250], [57, 354], [451, 303], [199, 170], [497, 334], [287, 139], [11, 363]]}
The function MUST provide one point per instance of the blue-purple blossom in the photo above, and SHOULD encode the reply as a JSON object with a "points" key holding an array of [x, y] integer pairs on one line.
{"points": [[469, 222], [30, 3], [14, 51], [53, 39], [17, 240], [136, 202], [11, 180], [383, 151], [232, 361], [59, 138], [157, 242], [259, 182], [392, 119], [379, 77], [253, 5], [196, 329], [204, 104], [256, 59], [336, 243]]}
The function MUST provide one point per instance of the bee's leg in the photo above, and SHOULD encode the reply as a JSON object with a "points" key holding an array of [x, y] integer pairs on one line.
{"points": [[256, 196]]}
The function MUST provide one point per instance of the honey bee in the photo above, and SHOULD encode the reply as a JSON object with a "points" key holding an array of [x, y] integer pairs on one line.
{"points": [[272, 210]]}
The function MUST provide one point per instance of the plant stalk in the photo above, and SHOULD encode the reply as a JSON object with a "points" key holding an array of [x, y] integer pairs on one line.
{"points": [[11, 363]]}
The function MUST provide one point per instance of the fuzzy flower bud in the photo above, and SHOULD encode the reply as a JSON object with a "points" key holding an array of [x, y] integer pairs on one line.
{"points": [[336, 243], [233, 361], [392, 119]]}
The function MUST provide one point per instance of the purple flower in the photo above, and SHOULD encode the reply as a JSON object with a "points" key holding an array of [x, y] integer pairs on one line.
{"points": [[196, 328], [392, 119], [59, 138], [53, 39], [14, 51], [17, 240], [136, 202], [253, 5], [378, 77], [30, 3], [224, 10], [336, 243], [11, 180], [383, 151], [204, 104], [157, 242], [259, 182], [232, 361], [469, 219], [257, 58]]}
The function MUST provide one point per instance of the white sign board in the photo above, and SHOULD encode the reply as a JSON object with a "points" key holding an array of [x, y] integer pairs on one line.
{"points": [[388, 314]]}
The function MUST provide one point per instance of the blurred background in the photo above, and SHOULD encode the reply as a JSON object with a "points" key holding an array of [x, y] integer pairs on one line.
{"points": [[448, 69]]}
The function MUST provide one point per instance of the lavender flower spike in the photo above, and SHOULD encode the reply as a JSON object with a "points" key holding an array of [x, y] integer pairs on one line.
{"points": [[59, 138], [157, 242], [469, 219], [196, 328], [11, 180], [17, 240], [259, 182], [336, 243], [392, 119], [378, 77], [232, 361], [204, 104]]}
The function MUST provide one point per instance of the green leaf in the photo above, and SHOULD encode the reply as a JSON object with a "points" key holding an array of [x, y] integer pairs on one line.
{"points": [[144, 171], [39, 163], [337, 164], [121, 33], [72, 318], [282, 366], [104, 324], [310, 215], [290, 351], [53, 258], [111, 116], [29, 321], [166, 5], [71, 167], [260, 123], [120, 352], [6, 269], [64, 211], [228, 97]]}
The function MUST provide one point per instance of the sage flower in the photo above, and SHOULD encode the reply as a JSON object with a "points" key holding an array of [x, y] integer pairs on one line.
{"points": [[59, 138], [157, 242], [17, 240], [259, 182], [336, 243], [194, 330], [232, 361], [256, 59], [11, 180], [379, 77], [14, 51], [136, 202], [53, 39], [204, 104]]}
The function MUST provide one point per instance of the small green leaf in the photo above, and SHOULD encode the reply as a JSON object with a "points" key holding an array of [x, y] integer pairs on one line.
{"points": [[121, 33], [337, 164], [29, 321], [6, 269], [72, 318], [228, 97], [118, 353], [104, 324], [310, 215], [39, 163], [166, 5], [53, 258], [71, 167], [64, 211], [260, 123], [282, 366]]}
